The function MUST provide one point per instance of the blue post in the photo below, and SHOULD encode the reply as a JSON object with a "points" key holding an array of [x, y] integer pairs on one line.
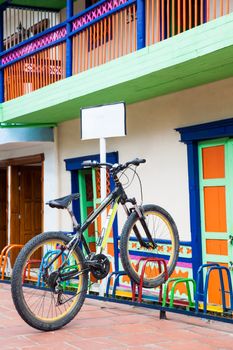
{"points": [[69, 51], [141, 24], [1, 50], [194, 202]]}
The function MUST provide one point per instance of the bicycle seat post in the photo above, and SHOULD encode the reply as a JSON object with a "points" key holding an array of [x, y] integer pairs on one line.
{"points": [[76, 226]]}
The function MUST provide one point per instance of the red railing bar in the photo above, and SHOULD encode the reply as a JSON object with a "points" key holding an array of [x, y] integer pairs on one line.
{"points": [[184, 15], [173, 17], [162, 19], [158, 20], [228, 7], [221, 7], [214, 9], [208, 10], [168, 19], [190, 14]]}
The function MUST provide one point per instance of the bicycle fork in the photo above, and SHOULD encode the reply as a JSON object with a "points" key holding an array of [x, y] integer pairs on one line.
{"points": [[151, 244]]}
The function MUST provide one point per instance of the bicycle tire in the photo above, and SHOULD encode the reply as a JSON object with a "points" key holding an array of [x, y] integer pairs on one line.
{"points": [[30, 289], [131, 250]]}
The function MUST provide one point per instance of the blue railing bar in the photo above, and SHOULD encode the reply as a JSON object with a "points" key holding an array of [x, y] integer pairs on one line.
{"points": [[141, 26], [35, 37], [54, 43], [69, 53], [117, 9]]}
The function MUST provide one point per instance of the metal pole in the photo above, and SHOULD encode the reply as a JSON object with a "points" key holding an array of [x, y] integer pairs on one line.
{"points": [[103, 192], [103, 170]]}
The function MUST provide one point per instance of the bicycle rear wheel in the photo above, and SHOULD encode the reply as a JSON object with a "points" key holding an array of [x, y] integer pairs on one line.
{"points": [[165, 236], [41, 299]]}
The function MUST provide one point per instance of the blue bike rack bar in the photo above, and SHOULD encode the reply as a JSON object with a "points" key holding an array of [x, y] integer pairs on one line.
{"points": [[204, 295], [118, 274]]}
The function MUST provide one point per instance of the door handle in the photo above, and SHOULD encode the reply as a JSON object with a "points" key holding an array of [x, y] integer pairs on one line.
{"points": [[230, 240]]}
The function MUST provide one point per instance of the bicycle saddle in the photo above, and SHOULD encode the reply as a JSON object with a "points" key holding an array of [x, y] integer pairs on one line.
{"points": [[63, 202]]}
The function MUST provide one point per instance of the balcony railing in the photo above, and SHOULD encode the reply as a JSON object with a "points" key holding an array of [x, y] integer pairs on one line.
{"points": [[104, 32]]}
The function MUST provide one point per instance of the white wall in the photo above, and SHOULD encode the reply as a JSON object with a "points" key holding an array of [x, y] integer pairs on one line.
{"points": [[151, 135]]}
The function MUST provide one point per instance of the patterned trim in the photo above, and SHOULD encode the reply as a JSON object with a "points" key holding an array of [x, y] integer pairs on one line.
{"points": [[96, 12], [34, 45]]}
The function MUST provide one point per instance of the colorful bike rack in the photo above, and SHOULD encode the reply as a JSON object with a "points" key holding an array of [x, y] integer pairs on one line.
{"points": [[199, 295], [44, 262], [117, 275], [175, 281], [5, 256], [27, 269], [161, 262]]}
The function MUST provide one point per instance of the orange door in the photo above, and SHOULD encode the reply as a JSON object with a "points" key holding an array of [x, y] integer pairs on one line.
{"points": [[216, 189]]}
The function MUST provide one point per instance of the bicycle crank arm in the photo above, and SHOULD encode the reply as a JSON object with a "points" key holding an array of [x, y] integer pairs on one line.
{"points": [[93, 263]]}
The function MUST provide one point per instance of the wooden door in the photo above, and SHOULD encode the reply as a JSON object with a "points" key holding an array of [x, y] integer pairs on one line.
{"points": [[3, 206], [26, 203], [30, 202], [216, 194], [15, 205]]}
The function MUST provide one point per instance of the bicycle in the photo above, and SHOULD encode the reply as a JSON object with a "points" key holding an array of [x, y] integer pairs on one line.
{"points": [[50, 275]]}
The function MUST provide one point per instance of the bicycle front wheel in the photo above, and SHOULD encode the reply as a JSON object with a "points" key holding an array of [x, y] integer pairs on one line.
{"points": [[164, 233], [41, 297]]}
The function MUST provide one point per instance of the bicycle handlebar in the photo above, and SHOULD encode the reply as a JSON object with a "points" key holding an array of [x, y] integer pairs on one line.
{"points": [[113, 167]]}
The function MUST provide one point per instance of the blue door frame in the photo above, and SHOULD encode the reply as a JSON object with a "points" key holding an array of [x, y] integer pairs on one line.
{"points": [[191, 135]]}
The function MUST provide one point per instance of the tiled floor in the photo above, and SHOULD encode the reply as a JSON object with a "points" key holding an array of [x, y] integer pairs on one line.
{"points": [[110, 326]]}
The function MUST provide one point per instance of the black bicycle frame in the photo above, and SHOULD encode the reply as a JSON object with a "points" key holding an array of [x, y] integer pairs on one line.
{"points": [[117, 193]]}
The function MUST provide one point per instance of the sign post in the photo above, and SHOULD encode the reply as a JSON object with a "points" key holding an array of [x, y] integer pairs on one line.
{"points": [[102, 122]]}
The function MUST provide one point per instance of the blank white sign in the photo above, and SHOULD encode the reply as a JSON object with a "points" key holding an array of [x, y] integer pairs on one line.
{"points": [[103, 121]]}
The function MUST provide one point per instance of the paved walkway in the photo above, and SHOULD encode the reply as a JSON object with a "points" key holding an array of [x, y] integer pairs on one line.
{"points": [[111, 326]]}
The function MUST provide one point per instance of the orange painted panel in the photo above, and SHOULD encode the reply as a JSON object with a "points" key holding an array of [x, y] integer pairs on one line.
{"points": [[213, 161], [111, 249], [217, 246], [215, 209], [214, 293], [91, 227]]}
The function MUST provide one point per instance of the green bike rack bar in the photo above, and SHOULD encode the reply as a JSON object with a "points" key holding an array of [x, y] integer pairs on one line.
{"points": [[176, 281]]}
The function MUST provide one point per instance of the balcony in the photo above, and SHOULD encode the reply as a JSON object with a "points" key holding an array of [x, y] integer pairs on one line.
{"points": [[95, 36]]}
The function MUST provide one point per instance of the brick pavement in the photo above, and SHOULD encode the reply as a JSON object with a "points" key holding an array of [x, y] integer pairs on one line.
{"points": [[111, 326]]}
